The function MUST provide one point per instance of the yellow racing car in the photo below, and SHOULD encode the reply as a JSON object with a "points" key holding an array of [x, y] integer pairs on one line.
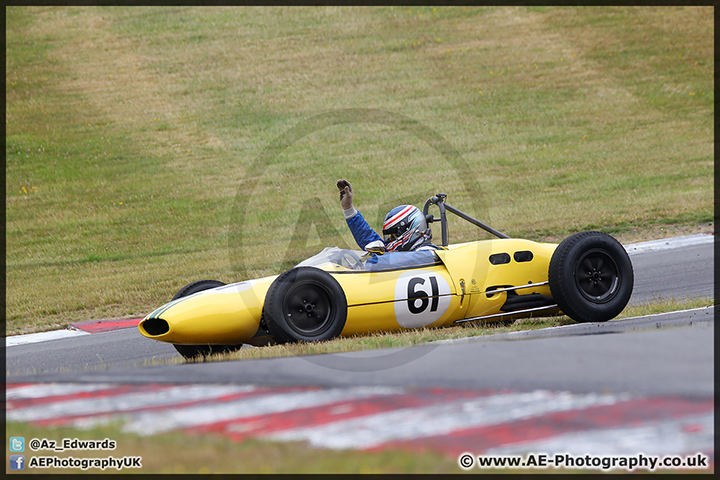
{"points": [[341, 292]]}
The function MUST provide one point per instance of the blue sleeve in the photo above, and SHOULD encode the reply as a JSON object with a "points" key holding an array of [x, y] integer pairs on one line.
{"points": [[361, 231]]}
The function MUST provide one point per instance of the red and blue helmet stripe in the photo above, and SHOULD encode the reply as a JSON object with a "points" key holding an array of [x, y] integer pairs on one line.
{"points": [[404, 228]]}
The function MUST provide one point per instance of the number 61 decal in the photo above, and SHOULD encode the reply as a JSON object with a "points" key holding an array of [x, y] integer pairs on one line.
{"points": [[421, 298]]}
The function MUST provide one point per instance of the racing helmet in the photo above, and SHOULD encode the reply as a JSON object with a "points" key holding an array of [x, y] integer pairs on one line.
{"points": [[405, 229]]}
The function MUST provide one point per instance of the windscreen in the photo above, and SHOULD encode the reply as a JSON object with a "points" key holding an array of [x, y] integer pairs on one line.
{"points": [[356, 260]]}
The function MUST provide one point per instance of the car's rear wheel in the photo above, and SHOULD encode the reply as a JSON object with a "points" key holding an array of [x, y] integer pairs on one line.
{"points": [[305, 304], [194, 351], [591, 277]]}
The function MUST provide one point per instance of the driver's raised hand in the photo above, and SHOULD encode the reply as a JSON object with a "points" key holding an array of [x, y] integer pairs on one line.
{"points": [[346, 194]]}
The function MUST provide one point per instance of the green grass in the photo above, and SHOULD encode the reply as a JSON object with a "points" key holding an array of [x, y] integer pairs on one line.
{"points": [[134, 136]]}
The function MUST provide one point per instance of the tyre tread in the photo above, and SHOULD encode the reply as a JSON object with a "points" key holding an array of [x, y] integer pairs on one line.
{"points": [[271, 313]]}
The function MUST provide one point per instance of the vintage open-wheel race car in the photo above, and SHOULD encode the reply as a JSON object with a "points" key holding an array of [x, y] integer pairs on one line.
{"points": [[341, 292]]}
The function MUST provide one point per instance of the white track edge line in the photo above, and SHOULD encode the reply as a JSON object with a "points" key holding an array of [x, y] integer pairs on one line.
{"points": [[42, 337], [670, 243]]}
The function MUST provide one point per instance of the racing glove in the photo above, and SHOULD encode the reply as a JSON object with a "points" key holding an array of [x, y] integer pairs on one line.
{"points": [[377, 247], [346, 198]]}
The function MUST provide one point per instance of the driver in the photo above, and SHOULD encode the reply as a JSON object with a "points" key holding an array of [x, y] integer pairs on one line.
{"points": [[404, 228]]}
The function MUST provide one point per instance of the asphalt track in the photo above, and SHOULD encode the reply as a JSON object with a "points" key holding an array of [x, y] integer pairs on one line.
{"points": [[665, 354], [651, 360], [604, 389]]}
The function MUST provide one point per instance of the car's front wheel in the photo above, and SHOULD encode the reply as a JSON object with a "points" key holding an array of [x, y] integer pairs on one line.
{"points": [[305, 304], [194, 351], [591, 277]]}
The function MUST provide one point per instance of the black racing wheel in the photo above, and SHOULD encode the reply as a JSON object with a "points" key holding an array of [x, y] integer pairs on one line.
{"points": [[193, 351], [591, 277], [305, 304]]}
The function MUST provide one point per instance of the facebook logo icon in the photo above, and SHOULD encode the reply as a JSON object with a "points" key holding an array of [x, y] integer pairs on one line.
{"points": [[17, 462]]}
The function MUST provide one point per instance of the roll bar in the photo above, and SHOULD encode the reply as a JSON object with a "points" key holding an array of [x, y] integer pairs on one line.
{"points": [[439, 201]]}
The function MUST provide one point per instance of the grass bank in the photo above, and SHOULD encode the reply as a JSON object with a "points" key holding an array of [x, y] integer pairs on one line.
{"points": [[137, 137]]}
